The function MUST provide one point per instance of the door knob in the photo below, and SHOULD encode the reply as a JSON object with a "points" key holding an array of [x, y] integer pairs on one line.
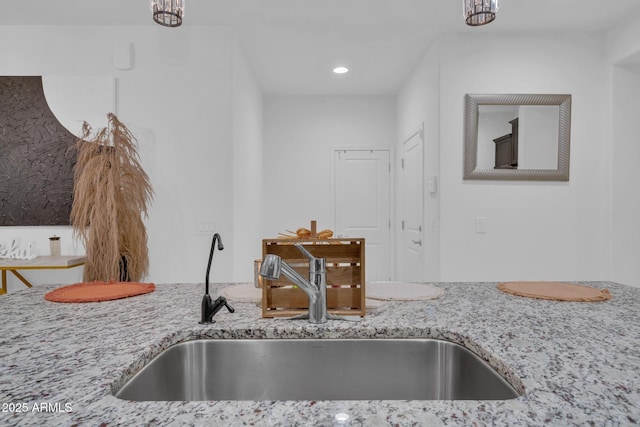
{"points": [[417, 242]]}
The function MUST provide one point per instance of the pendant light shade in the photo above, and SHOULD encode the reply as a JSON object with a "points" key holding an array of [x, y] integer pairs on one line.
{"points": [[168, 12], [479, 12]]}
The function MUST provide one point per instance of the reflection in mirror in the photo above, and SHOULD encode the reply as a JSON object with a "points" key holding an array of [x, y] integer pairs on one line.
{"points": [[517, 137]]}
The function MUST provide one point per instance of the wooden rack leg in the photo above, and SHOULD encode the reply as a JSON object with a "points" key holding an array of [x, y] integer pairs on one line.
{"points": [[4, 283], [19, 276]]}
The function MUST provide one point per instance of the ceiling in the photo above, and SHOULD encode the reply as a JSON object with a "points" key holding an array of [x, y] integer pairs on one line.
{"points": [[292, 45]]}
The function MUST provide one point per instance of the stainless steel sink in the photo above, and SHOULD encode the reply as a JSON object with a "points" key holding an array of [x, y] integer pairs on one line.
{"points": [[317, 369]]}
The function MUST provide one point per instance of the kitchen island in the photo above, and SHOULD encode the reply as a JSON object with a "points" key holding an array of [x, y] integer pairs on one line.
{"points": [[577, 363]]}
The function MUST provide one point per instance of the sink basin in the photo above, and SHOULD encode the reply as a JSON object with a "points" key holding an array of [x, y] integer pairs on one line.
{"points": [[317, 369]]}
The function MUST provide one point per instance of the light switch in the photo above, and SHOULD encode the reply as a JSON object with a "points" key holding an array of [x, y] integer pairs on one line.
{"points": [[432, 184], [481, 224]]}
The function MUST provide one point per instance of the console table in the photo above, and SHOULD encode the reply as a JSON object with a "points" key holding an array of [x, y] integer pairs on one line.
{"points": [[38, 263]]}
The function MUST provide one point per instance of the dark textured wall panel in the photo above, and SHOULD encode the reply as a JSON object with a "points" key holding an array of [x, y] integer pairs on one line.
{"points": [[36, 165]]}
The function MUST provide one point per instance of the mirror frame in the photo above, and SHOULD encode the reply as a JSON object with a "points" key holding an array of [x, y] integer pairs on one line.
{"points": [[473, 101]]}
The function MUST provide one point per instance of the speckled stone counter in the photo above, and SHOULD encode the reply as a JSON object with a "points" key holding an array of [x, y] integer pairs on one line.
{"points": [[578, 363]]}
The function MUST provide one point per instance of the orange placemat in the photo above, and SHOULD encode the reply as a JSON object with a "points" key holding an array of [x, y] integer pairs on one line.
{"points": [[98, 291], [556, 291]]}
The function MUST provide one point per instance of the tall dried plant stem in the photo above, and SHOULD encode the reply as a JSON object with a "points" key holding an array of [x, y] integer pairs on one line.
{"points": [[111, 194]]}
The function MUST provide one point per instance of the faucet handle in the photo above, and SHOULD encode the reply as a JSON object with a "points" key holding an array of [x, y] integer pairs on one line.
{"points": [[316, 265], [223, 301], [304, 251], [210, 308]]}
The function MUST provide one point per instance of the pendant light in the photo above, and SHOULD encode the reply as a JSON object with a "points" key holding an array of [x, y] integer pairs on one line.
{"points": [[168, 13], [479, 12]]}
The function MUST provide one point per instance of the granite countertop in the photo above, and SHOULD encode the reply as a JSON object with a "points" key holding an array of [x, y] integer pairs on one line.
{"points": [[579, 363]]}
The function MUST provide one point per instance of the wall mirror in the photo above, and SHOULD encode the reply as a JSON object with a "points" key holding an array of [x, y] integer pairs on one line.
{"points": [[517, 137]]}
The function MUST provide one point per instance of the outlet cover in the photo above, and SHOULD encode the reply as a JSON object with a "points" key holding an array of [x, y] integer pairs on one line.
{"points": [[205, 227]]}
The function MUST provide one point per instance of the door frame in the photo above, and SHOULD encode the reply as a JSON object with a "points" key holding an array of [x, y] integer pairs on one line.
{"points": [[392, 196], [400, 206]]}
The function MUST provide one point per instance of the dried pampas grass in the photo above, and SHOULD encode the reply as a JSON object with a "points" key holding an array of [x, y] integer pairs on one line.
{"points": [[111, 193]]}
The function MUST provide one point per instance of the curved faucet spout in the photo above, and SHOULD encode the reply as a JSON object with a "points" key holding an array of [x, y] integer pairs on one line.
{"points": [[216, 237], [310, 289]]}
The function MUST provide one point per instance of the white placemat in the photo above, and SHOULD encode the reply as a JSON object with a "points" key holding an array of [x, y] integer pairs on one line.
{"points": [[244, 292], [401, 291], [247, 292]]}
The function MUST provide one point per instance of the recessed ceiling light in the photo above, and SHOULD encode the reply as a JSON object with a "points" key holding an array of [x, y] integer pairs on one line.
{"points": [[340, 70]]}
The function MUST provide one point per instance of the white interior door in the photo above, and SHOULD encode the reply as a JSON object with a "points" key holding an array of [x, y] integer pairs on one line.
{"points": [[362, 197], [411, 254]]}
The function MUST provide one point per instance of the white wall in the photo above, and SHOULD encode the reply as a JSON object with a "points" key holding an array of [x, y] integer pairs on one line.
{"points": [[299, 134], [177, 101], [418, 103], [625, 174], [623, 42], [623, 82], [536, 230], [197, 112], [246, 240]]}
